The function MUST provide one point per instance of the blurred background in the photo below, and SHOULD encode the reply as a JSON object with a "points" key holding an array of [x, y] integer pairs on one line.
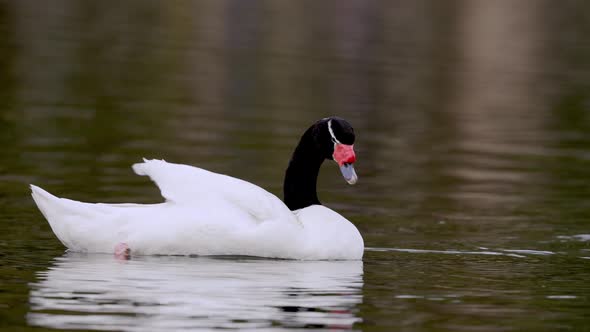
{"points": [[472, 122]]}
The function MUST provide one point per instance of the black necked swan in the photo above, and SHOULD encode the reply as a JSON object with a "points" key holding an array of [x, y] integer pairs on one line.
{"points": [[206, 213]]}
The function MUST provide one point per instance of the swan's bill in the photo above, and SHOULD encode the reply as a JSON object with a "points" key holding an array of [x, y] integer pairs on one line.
{"points": [[348, 173], [344, 156]]}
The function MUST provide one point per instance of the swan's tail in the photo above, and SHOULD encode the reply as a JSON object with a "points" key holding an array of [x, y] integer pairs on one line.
{"points": [[66, 217], [53, 210], [45, 201]]}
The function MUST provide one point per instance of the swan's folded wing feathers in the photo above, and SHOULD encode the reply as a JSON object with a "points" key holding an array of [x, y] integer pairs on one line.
{"points": [[179, 183], [163, 177], [186, 184]]}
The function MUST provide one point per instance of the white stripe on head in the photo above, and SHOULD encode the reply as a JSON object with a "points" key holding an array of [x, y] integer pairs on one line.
{"points": [[334, 139]]}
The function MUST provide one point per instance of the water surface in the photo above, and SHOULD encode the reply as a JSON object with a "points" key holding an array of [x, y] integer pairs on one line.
{"points": [[473, 149]]}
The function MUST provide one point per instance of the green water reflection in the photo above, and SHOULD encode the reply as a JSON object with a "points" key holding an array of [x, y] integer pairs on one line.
{"points": [[473, 123]]}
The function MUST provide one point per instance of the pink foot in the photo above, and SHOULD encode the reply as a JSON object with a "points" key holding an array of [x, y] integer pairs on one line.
{"points": [[122, 251]]}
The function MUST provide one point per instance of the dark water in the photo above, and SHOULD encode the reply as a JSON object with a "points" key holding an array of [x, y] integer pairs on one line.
{"points": [[473, 147]]}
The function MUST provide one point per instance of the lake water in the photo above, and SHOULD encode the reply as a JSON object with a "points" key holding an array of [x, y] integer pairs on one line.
{"points": [[473, 149]]}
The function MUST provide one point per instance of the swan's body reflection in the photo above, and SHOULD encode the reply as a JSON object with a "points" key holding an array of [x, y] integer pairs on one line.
{"points": [[174, 293]]}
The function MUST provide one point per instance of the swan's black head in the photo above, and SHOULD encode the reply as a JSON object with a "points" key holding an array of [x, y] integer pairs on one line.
{"points": [[334, 137], [330, 138]]}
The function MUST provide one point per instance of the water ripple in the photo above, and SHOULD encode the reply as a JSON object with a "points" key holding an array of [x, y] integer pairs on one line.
{"points": [[519, 253]]}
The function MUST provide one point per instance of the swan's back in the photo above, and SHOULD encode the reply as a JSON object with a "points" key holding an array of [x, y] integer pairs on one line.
{"points": [[203, 211]]}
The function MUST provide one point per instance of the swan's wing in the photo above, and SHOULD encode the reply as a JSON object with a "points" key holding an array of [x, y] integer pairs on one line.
{"points": [[186, 184]]}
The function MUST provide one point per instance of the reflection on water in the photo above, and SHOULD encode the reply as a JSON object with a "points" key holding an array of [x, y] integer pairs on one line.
{"points": [[98, 292]]}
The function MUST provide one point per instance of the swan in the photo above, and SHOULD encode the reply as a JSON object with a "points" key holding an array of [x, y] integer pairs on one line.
{"points": [[206, 213]]}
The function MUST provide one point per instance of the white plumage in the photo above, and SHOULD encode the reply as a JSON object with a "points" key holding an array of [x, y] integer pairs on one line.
{"points": [[205, 213]]}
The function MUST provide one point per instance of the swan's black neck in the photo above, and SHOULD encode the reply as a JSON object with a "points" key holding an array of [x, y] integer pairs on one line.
{"points": [[301, 177]]}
